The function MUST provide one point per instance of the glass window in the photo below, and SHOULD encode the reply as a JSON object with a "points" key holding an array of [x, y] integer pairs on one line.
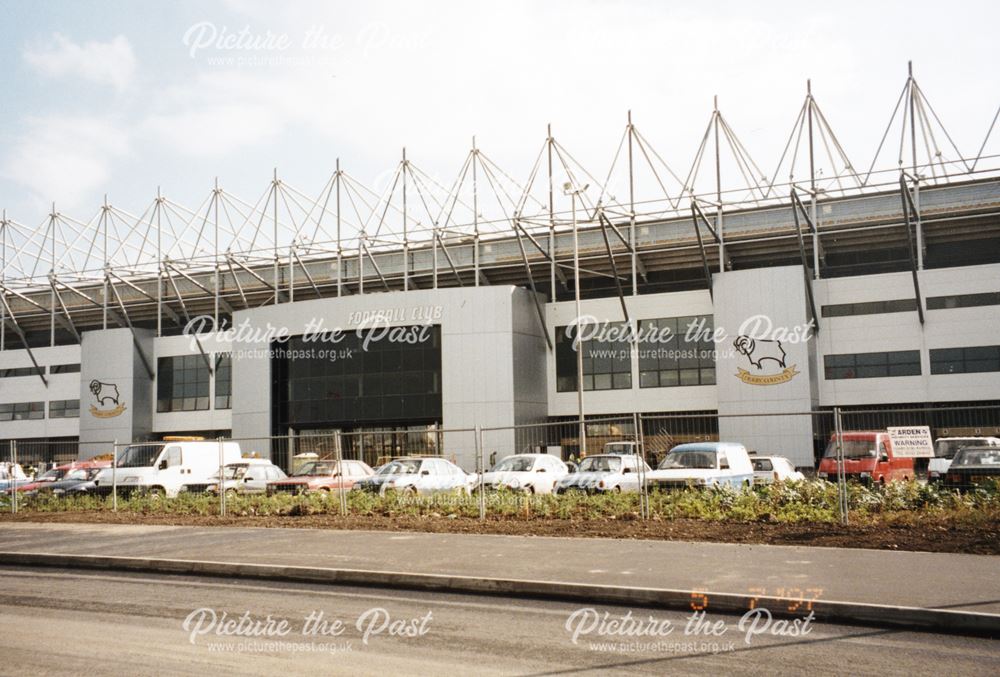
{"points": [[869, 308], [963, 301], [223, 381], [607, 358], [676, 351], [64, 409], [22, 371], [872, 365], [182, 383], [64, 369], [970, 360], [22, 411]]}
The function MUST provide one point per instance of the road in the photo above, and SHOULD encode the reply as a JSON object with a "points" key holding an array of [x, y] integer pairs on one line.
{"points": [[72, 622]]}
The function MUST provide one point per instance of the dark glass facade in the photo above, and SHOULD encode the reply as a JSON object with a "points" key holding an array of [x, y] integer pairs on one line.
{"points": [[182, 383], [363, 380], [607, 362]]}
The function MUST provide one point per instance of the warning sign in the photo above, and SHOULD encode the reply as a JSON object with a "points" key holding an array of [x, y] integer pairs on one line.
{"points": [[912, 442]]}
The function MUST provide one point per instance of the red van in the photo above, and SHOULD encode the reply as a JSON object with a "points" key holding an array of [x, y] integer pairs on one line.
{"points": [[868, 457]]}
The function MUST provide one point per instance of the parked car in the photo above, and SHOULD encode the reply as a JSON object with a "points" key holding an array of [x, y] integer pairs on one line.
{"points": [[973, 466], [59, 473], [530, 473], [162, 468], [249, 476], [604, 472], [868, 457], [767, 469], [76, 481], [12, 473], [945, 449], [703, 464], [325, 475], [419, 475]]}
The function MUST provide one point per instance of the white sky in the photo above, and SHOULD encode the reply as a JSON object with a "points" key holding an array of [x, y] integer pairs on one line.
{"points": [[109, 99]]}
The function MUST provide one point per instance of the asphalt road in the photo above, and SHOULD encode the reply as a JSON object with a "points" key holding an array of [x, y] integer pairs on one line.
{"points": [[70, 622]]}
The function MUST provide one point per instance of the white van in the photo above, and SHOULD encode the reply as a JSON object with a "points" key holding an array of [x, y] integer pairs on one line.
{"points": [[164, 467]]}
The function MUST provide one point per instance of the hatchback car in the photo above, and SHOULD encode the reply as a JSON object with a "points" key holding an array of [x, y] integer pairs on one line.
{"points": [[604, 472], [418, 475], [973, 467], [530, 473], [321, 476], [249, 476], [703, 464], [768, 469]]}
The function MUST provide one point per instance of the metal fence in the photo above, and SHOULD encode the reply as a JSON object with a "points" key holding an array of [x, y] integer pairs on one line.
{"points": [[803, 437]]}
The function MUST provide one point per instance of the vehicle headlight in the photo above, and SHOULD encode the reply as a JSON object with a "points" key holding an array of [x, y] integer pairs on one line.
{"points": [[865, 475], [935, 474], [821, 475], [212, 487], [58, 491]]}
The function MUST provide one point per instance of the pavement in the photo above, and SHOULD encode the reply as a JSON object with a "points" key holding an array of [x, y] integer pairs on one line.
{"points": [[72, 622], [872, 577]]}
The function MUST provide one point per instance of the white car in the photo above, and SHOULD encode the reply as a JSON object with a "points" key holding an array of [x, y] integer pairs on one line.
{"points": [[418, 475], [249, 476], [767, 469], [604, 472], [703, 464], [945, 449], [530, 473]]}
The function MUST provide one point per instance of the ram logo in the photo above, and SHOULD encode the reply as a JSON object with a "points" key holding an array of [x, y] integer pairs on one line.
{"points": [[757, 352], [106, 395]]}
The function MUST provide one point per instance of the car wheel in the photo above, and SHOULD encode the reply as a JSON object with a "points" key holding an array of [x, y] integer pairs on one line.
{"points": [[156, 492], [412, 491], [617, 489], [231, 493]]}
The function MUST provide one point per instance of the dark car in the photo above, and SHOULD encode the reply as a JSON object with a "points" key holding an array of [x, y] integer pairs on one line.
{"points": [[74, 482], [973, 467]]}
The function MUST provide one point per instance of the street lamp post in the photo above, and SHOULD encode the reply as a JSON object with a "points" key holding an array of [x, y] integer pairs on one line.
{"points": [[568, 189]]}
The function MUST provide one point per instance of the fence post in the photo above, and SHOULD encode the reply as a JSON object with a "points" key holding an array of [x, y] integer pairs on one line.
{"points": [[838, 427], [480, 461], [221, 486], [114, 476], [640, 445], [340, 473], [13, 482]]}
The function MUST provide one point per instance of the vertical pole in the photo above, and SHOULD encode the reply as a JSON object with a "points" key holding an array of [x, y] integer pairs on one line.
{"points": [[3, 280], [104, 299], [361, 264], [481, 462], [277, 276], [215, 247], [406, 238], [579, 316], [812, 180], [718, 187], [916, 176], [159, 266], [475, 211], [631, 211], [640, 453], [841, 478], [114, 476], [340, 250], [13, 482], [552, 223], [291, 273], [221, 486], [52, 273], [434, 256], [340, 474]]}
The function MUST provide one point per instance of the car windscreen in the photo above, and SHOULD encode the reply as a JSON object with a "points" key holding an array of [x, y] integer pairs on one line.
{"points": [[702, 460], [852, 449], [316, 468], [514, 464], [978, 457], [619, 448], [139, 455], [51, 475], [762, 464], [402, 467], [80, 474], [948, 448], [600, 464]]}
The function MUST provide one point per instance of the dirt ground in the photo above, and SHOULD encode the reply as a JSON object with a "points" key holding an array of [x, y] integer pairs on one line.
{"points": [[926, 536]]}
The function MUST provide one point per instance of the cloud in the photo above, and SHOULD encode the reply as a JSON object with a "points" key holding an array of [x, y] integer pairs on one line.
{"points": [[110, 63], [66, 158]]}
